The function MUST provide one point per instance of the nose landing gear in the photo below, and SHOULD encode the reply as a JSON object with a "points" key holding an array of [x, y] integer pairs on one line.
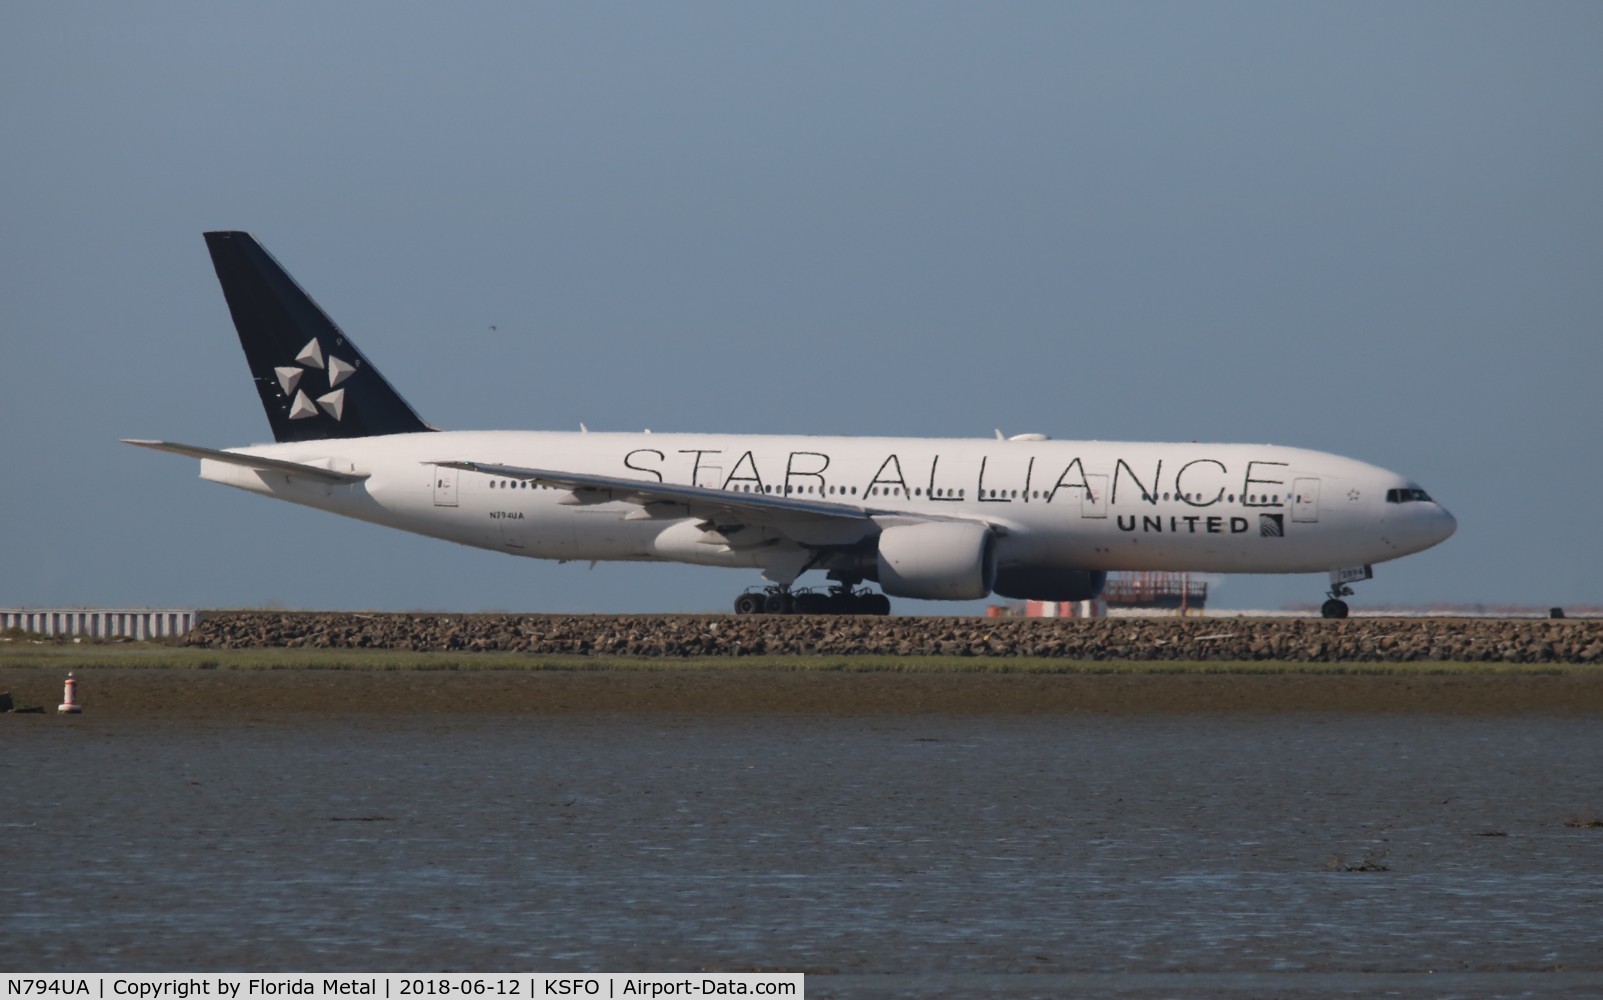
{"points": [[1335, 607]]}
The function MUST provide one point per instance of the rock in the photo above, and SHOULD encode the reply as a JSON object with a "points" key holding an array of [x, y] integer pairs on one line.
{"points": [[1354, 640]]}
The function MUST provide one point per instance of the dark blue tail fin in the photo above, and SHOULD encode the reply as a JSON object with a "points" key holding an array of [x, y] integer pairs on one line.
{"points": [[314, 383]]}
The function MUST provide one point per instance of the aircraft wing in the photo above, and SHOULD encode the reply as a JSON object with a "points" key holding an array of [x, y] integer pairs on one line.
{"points": [[252, 461], [804, 520]]}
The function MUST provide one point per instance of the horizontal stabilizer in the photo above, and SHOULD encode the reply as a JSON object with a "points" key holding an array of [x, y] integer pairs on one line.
{"points": [[252, 461]]}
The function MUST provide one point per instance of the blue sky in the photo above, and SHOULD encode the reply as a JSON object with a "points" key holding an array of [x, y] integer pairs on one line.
{"points": [[1373, 229]]}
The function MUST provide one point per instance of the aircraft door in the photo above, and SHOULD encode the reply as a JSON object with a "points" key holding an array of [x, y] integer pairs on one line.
{"points": [[444, 487], [512, 533], [1094, 501], [1305, 500]]}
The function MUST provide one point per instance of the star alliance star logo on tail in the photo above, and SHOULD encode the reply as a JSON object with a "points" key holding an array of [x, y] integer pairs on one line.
{"points": [[301, 405]]}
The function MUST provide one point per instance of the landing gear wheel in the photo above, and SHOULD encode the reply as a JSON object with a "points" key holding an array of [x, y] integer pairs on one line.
{"points": [[842, 599], [809, 603], [1333, 608]]}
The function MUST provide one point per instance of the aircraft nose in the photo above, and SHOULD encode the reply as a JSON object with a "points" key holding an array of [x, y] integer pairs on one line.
{"points": [[1443, 525], [1415, 527]]}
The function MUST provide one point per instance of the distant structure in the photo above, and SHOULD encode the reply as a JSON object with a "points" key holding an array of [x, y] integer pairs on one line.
{"points": [[99, 623], [1125, 594], [1048, 609], [1156, 592]]}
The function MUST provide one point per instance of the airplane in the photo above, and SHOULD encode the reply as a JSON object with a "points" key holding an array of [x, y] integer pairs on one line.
{"points": [[1024, 517]]}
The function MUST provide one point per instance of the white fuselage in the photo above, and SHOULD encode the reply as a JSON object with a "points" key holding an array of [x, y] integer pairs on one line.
{"points": [[1226, 508]]}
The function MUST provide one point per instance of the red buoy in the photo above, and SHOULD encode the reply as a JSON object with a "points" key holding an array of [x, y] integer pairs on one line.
{"points": [[69, 698]]}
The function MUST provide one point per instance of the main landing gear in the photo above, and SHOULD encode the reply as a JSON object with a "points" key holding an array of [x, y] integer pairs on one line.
{"points": [[841, 599]]}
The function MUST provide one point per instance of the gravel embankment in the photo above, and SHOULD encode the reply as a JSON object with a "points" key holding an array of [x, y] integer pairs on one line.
{"points": [[1359, 640]]}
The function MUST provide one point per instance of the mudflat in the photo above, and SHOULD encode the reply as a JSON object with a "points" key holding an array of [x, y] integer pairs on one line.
{"points": [[121, 691]]}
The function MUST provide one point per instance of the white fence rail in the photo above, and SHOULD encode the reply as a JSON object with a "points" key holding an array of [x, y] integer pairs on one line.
{"points": [[100, 623]]}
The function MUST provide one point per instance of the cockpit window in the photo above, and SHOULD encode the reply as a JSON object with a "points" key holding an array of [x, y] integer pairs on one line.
{"points": [[1411, 494]]}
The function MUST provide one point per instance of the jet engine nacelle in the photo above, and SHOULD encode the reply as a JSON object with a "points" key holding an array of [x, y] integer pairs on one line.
{"points": [[937, 561], [1029, 583]]}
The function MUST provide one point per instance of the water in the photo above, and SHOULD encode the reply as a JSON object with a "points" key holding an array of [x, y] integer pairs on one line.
{"points": [[916, 855]]}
